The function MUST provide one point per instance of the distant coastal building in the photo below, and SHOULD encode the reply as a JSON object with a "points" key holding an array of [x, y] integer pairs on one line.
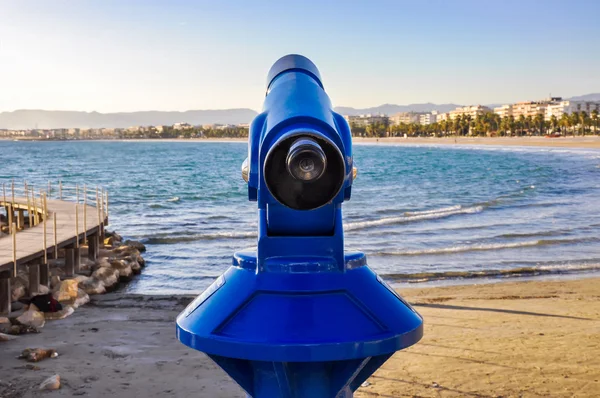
{"points": [[553, 106], [366, 120], [405, 117], [568, 107], [428, 118], [472, 110]]}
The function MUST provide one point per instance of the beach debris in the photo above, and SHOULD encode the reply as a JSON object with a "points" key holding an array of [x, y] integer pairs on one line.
{"points": [[435, 385], [51, 383], [7, 337], [45, 303], [37, 354], [365, 384], [66, 290], [32, 318]]}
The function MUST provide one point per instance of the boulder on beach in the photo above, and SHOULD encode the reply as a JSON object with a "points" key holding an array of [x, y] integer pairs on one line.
{"points": [[32, 317], [6, 337], [92, 286], [108, 276], [62, 314], [136, 245], [51, 383], [18, 288], [66, 290], [54, 281]]}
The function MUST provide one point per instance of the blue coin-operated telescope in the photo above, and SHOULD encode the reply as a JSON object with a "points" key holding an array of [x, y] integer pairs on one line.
{"points": [[298, 317]]}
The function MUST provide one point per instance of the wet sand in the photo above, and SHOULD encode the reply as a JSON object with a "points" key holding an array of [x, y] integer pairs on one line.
{"points": [[530, 339]]}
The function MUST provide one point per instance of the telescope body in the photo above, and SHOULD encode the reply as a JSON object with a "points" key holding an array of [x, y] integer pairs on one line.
{"points": [[298, 317]]}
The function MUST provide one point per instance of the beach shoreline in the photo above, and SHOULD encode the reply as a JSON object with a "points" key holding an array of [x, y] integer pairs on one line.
{"points": [[525, 338], [590, 141]]}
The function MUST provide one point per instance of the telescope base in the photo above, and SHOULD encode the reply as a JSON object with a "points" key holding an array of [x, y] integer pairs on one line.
{"points": [[336, 379]]}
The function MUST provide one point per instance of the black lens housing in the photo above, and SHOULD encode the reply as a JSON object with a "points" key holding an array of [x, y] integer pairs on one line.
{"points": [[304, 189]]}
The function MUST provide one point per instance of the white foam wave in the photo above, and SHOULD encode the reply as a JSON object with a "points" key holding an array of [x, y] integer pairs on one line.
{"points": [[173, 199], [414, 216], [465, 248]]}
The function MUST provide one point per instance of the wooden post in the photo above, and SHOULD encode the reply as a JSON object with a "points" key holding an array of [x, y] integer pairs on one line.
{"points": [[29, 215], [55, 238], [76, 259], [20, 219], [11, 215], [5, 294], [45, 274], [84, 213], [93, 247], [14, 247], [45, 210], [36, 212], [34, 278], [107, 206], [76, 225], [70, 261]]}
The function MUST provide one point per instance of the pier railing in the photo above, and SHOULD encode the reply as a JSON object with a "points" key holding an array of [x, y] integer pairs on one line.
{"points": [[43, 220]]}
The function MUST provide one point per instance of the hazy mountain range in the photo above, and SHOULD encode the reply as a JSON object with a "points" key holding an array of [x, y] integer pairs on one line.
{"points": [[30, 119]]}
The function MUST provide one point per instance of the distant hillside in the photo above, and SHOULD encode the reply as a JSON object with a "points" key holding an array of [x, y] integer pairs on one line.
{"points": [[587, 97], [390, 109], [28, 119]]}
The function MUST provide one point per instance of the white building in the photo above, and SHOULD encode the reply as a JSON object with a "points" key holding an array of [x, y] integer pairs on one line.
{"points": [[568, 107], [406, 117], [366, 120], [428, 118], [471, 110]]}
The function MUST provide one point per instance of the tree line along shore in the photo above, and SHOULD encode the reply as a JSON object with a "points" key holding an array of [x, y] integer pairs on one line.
{"points": [[483, 125]]}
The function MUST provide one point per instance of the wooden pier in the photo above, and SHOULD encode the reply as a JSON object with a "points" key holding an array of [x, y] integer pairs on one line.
{"points": [[40, 227]]}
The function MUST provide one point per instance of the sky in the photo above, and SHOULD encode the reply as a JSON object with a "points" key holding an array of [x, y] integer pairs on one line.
{"points": [[122, 55]]}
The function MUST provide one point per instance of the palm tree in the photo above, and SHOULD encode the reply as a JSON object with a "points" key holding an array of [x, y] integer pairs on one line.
{"points": [[554, 123], [574, 121], [595, 120], [585, 119], [565, 122], [540, 123]]}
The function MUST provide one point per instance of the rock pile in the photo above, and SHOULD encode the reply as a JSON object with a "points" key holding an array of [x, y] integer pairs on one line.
{"points": [[117, 263]]}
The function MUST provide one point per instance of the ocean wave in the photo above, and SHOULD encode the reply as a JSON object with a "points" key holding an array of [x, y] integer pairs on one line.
{"points": [[173, 199], [414, 216], [493, 273], [486, 247], [166, 240]]}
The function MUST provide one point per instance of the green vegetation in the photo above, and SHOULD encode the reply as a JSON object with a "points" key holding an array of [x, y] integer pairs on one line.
{"points": [[193, 132], [488, 124]]}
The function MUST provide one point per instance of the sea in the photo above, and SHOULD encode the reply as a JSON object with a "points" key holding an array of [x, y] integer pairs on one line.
{"points": [[423, 214]]}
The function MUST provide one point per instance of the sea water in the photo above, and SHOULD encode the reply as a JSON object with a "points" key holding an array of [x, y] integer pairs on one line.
{"points": [[420, 212]]}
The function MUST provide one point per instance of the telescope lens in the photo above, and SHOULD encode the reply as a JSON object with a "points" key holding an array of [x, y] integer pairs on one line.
{"points": [[306, 161]]}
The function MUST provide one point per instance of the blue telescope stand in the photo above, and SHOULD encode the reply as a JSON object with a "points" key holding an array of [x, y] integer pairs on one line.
{"points": [[298, 317]]}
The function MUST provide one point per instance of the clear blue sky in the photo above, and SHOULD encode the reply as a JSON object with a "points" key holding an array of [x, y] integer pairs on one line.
{"points": [[178, 55]]}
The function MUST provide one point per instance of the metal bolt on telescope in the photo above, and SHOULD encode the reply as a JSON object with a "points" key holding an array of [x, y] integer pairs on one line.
{"points": [[297, 317]]}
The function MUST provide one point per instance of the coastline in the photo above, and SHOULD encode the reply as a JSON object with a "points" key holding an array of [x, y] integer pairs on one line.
{"points": [[536, 338], [590, 141]]}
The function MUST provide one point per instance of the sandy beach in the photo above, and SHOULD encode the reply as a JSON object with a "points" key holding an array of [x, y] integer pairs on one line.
{"points": [[514, 339]]}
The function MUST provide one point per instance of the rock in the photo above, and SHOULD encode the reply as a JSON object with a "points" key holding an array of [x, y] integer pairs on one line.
{"points": [[136, 267], [141, 261], [123, 251], [113, 235], [4, 319], [66, 290], [62, 314], [82, 299], [32, 318], [37, 354], [17, 289], [54, 281], [16, 330], [107, 275], [136, 245], [42, 290], [109, 241], [6, 337], [92, 286], [51, 383]]}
